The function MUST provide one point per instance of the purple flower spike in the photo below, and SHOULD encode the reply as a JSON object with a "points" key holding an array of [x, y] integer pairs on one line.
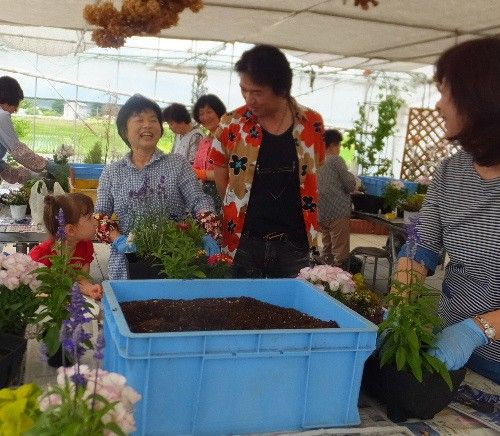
{"points": [[79, 379], [61, 226], [73, 335], [99, 347]]}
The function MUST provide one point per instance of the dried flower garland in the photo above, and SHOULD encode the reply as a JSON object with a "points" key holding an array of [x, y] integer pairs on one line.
{"points": [[136, 17], [364, 4]]}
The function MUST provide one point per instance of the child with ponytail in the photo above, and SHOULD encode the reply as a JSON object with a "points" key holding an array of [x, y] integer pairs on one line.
{"points": [[78, 231]]}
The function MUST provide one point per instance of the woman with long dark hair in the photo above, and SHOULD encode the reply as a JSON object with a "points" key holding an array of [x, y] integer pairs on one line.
{"points": [[462, 209]]}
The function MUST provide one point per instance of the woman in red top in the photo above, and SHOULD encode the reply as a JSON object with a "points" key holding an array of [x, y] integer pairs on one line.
{"points": [[80, 229], [207, 111]]}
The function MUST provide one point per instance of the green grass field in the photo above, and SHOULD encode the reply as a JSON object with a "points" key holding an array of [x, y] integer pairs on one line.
{"points": [[45, 134]]}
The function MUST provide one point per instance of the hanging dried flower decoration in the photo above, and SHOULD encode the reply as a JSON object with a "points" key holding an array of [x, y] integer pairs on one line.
{"points": [[136, 17], [365, 4]]}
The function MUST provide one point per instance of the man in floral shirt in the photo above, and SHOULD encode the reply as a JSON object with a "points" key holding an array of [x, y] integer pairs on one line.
{"points": [[266, 158]]}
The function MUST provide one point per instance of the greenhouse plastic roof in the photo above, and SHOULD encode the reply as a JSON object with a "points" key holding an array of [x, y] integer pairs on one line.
{"points": [[396, 35]]}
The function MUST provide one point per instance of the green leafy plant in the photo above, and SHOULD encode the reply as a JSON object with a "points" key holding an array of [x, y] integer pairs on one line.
{"points": [[94, 156], [17, 198], [369, 140], [413, 203], [394, 194], [178, 247], [56, 283], [409, 329]]}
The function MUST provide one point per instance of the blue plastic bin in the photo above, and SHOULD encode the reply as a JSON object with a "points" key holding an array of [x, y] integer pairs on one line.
{"points": [[375, 185], [227, 382], [87, 171]]}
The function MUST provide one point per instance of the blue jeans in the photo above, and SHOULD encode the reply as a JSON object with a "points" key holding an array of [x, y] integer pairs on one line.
{"points": [[260, 258], [486, 367]]}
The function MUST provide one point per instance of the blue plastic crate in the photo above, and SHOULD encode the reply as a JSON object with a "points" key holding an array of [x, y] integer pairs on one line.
{"points": [[227, 382], [375, 185], [411, 187], [87, 171]]}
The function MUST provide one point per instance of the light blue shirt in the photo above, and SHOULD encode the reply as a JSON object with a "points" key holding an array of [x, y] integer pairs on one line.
{"points": [[166, 185]]}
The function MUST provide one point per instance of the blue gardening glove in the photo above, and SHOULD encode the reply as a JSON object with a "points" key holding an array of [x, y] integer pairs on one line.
{"points": [[122, 245], [210, 245], [457, 342], [53, 168]]}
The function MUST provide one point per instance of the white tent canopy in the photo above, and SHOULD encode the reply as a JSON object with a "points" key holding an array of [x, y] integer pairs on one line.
{"points": [[397, 35]]}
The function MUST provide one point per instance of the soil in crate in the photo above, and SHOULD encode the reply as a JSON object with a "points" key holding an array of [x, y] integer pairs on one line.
{"points": [[204, 314]]}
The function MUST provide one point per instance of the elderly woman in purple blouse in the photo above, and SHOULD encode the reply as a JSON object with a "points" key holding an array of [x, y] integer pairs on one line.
{"points": [[147, 180]]}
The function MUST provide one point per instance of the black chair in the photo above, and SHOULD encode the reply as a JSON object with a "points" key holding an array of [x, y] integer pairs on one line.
{"points": [[376, 253]]}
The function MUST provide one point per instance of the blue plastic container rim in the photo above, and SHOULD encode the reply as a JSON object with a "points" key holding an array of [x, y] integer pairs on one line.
{"points": [[87, 171]]}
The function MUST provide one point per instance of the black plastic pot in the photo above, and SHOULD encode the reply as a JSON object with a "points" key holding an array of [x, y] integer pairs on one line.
{"points": [[12, 349], [60, 358], [406, 397], [368, 203], [143, 268]]}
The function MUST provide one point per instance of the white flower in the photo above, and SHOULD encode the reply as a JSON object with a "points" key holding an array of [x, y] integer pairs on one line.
{"points": [[398, 184]]}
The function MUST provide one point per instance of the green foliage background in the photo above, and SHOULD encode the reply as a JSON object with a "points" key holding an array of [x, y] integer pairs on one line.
{"points": [[45, 134]]}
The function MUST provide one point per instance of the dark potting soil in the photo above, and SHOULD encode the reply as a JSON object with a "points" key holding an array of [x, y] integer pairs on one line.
{"points": [[203, 314]]}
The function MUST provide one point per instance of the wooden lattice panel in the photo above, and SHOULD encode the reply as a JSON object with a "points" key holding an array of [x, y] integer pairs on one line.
{"points": [[425, 145]]}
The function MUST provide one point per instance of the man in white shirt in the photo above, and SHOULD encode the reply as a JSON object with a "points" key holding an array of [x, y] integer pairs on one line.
{"points": [[187, 137]]}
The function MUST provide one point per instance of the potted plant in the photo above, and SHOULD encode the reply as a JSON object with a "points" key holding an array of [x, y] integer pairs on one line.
{"points": [[18, 303], [402, 373], [394, 194], [411, 206], [83, 401], [166, 248], [18, 202], [55, 285], [350, 290]]}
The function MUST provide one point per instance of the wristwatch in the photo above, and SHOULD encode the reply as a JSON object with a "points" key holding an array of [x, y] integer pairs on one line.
{"points": [[489, 331]]}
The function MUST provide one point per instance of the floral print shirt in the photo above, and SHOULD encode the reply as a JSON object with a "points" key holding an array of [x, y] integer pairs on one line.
{"points": [[239, 137], [166, 185]]}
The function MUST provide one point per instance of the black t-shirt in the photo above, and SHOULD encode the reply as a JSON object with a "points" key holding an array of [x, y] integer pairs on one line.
{"points": [[275, 204]]}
